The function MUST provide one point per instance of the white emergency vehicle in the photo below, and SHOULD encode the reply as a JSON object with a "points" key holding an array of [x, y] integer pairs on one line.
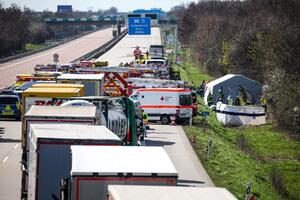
{"points": [[162, 103]]}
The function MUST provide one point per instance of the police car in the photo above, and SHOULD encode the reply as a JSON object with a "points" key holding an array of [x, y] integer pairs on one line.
{"points": [[9, 105]]}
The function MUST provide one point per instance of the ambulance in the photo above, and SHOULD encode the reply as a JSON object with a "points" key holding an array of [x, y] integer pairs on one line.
{"points": [[162, 103]]}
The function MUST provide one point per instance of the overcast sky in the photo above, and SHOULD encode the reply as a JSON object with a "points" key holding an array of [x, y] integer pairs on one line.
{"points": [[122, 5]]}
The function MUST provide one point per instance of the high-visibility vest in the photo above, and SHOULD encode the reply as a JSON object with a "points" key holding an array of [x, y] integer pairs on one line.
{"points": [[145, 118]]}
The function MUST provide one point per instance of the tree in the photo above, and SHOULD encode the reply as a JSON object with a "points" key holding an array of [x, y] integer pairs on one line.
{"points": [[111, 10]]}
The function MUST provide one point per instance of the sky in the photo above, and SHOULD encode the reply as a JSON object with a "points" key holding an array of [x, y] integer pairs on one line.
{"points": [[83, 5]]}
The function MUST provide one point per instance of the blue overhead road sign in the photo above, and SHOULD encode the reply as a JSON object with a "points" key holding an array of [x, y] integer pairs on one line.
{"points": [[139, 26]]}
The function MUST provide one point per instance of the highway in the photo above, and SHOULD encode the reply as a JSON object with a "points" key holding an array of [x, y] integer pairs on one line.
{"points": [[172, 138], [67, 52], [123, 51], [10, 157]]}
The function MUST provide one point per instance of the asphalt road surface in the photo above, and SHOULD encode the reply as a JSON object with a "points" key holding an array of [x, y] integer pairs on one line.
{"points": [[67, 52], [123, 51], [180, 151], [10, 156]]}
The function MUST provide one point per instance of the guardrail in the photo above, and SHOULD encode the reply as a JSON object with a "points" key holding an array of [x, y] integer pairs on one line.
{"points": [[103, 49]]}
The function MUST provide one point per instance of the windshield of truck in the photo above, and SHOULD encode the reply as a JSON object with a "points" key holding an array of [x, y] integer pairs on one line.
{"points": [[185, 100]]}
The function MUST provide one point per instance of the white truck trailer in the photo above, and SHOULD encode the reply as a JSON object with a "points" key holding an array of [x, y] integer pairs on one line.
{"points": [[93, 83], [53, 115], [162, 103], [94, 168], [131, 192], [59, 114], [50, 154]]}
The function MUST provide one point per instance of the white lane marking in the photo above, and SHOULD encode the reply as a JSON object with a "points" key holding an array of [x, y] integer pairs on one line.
{"points": [[16, 146], [4, 160]]}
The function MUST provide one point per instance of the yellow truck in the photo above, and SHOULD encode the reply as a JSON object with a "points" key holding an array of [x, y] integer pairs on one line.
{"points": [[61, 85]]}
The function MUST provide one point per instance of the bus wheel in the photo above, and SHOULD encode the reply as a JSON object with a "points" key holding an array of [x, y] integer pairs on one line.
{"points": [[165, 119]]}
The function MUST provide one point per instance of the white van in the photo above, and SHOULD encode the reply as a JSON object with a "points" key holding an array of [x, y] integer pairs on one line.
{"points": [[162, 103], [160, 62]]}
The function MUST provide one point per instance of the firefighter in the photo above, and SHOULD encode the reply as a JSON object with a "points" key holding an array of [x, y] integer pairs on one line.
{"points": [[209, 99], [137, 53]]}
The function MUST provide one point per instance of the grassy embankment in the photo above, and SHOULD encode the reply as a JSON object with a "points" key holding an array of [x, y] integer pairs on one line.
{"points": [[34, 47], [266, 157]]}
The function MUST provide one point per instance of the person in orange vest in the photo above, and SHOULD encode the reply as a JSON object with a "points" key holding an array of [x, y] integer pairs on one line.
{"points": [[137, 53]]}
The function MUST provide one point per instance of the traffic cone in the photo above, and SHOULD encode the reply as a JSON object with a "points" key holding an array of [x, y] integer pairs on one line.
{"points": [[173, 121]]}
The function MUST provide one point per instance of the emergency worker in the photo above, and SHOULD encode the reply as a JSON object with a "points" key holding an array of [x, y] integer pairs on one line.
{"points": [[209, 99], [263, 103], [192, 86], [237, 101], [230, 100], [221, 95], [137, 53], [145, 122]]}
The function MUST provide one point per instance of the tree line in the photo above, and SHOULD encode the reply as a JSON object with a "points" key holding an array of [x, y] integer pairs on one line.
{"points": [[21, 26], [256, 38]]}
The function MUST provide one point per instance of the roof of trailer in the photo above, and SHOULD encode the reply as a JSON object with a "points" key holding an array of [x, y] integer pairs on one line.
{"points": [[108, 160], [72, 131], [62, 111], [131, 192], [80, 77]]}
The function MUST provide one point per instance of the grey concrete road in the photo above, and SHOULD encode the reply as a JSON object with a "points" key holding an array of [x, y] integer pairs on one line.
{"points": [[123, 51], [10, 156], [67, 52], [176, 144]]}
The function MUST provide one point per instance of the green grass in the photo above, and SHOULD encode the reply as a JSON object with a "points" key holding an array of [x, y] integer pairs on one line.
{"points": [[190, 73], [263, 149], [34, 47]]}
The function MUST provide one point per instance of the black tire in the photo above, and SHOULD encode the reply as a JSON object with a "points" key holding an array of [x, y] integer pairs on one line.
{"points": [[165, 119]]}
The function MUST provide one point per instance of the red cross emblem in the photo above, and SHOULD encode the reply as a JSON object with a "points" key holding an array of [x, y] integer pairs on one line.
{"points": [[162, 98]]}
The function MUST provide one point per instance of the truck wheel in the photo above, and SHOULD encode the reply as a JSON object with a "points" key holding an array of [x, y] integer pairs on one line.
{"points": [[165, 119]]}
